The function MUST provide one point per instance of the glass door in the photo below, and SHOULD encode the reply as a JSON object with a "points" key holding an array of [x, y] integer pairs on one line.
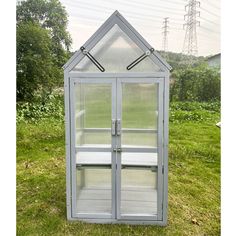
{"points": [[139, 148], [93, 112]]}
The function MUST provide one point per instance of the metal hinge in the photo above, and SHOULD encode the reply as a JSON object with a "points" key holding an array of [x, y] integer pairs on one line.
{"points": [[139, 59], [92, 59]]}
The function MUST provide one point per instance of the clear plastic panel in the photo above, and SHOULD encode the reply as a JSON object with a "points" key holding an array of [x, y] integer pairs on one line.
{"points": [[93, 190], [138, 192], [93, 114], [139, 114], [115, 51]]}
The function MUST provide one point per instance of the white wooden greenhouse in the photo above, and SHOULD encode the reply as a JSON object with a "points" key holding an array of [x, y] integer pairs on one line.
{"points": [[116, 106]]}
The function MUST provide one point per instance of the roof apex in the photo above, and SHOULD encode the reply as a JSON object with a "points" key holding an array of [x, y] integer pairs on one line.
{"points": [[116, 16]]}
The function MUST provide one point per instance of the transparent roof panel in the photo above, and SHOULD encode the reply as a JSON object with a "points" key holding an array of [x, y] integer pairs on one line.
{"points": [[115, 51]]}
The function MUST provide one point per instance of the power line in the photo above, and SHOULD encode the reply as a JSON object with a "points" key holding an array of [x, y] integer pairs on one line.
{"points": [[190, 40], [209, 30], [131, 15], [173, 2], [165, 32], [153, 7], [213, 5], [212, 22], [211, 13], [132, 4], [207, 35], [101, 8]]}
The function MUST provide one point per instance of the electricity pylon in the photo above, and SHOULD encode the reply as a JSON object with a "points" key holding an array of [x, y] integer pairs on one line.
{"points": [[190, 41], [165, 32]]}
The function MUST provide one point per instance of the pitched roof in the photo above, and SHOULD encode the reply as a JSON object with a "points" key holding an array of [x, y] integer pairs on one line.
{"points": [[117, 18]]}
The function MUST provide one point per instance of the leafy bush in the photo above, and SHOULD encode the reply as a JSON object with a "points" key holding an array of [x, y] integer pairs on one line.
{"points": [[199, 83], [193, 106], [194, 111], [52, 106], [183, 116]]}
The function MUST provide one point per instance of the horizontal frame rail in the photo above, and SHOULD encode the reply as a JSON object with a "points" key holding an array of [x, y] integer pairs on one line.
{"points": [[93, 166], [118, 75], [124, 130], [141, 149], [109, 166], [92, 149], [109, 149]]}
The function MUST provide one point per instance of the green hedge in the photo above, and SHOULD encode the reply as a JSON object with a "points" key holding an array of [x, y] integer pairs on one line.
{"points": [[199, 83]]}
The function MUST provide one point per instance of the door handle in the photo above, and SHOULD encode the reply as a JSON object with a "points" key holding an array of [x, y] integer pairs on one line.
{"points": [[113, 127], [118, 127]]}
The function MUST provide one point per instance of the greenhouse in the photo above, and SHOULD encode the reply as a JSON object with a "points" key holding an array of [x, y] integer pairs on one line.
{"points": [[116, 107]]}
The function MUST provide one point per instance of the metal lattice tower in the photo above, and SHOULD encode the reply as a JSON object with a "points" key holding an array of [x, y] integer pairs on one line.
{"points": [[190, 41], [165, 32]]}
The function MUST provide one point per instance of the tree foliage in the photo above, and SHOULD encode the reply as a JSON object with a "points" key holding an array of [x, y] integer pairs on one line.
{"points": [[180, 61], [50, 15], [42, 46], [199, 83], [35, 67]]}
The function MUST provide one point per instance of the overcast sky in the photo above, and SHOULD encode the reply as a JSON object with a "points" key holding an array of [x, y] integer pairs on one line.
{"points": [[146, 17]]}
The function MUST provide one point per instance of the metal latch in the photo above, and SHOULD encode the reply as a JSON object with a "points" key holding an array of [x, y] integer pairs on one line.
{"points": [[92, 59], [117, 150], [139, 59]]}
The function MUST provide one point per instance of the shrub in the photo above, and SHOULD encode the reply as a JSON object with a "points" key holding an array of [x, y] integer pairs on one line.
{"points": [[193, 106], [200, 83], [194, 111], [52, 106]]}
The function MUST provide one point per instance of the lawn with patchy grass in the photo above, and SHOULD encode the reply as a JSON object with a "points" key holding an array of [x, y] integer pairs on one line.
{"points": [[194, 179]]}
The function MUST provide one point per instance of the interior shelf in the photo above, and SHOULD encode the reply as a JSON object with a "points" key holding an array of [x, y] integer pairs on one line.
{"points": [[128, 159]]}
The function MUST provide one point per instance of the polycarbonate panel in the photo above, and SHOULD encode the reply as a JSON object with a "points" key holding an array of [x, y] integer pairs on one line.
{"points": [[138, 192], [93, 114], [115, 51], [139, 114], [94, 192]]}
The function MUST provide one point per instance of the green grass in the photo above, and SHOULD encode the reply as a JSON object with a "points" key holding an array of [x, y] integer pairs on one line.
{"points": [[194, 181]]}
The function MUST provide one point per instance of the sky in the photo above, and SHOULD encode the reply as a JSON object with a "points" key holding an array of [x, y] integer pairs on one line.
{"points": [[146, 17]]}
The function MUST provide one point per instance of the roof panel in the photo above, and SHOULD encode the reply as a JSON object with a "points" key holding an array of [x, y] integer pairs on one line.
{"points": [[115, 45]]}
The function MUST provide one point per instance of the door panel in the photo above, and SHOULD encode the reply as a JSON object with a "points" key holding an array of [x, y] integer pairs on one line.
{"points": [[139, 114], [139, 188], [93, 114], [117, 139], [93, 162]]}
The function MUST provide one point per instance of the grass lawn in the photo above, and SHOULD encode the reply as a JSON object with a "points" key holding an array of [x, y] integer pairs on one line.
{"points": [[194, 182]]}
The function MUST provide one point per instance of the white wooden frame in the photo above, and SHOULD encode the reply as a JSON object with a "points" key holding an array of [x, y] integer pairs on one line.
{"points": [[74, 214], [115, 18], [159, 151]]}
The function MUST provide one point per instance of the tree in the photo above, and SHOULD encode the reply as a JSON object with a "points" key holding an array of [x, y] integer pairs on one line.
{"points": [[50, 15], [42, 46], [35, 67]]}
